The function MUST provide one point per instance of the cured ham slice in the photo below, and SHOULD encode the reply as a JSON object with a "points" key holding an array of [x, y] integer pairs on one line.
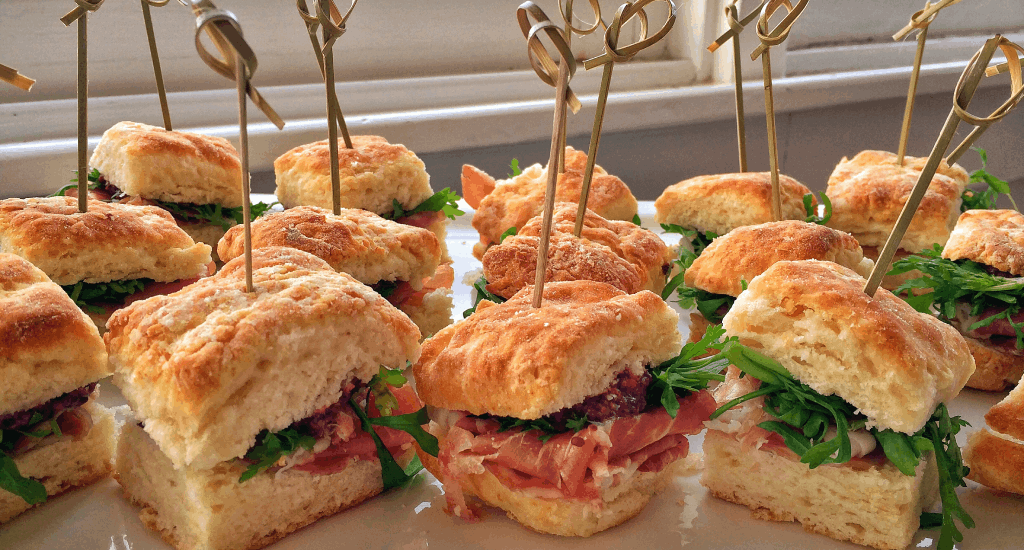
{"points": [[404, 294]]}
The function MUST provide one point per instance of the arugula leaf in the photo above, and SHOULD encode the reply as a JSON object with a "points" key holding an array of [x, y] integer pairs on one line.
{"points": [[963, 281], [383, 399], [215, 214], [11, 480], [699, 242], [508, 233], [88, 295], [93, 178], [547, 429], [515, 169], [987, 198], [684, 374], [444, 201], [271, 447], [385, 288], [392, 474], [636, 220], [812, 211], [481, 294], [706, 303]]}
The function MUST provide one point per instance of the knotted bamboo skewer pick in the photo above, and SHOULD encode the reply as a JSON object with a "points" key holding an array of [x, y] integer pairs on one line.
{"points": [[331, 32], [611, 37], [769, 39], [547, 70], [156, 58], [312, 25], [982, 124], [736, 27], [962, 96], [917, 21], [567, 16], [80, 14], [11, 76], [226, 34]]}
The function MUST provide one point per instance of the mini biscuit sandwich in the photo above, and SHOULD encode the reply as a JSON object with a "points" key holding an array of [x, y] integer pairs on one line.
{"points": [[833, 413], [104, 258], [566, 416], [718, 275], [510, 203], [995, 453], [619, 253], [974, 284], [195, 177], [53, 435], [385, 178], [257, 409], [400, 262], [868, 193]]}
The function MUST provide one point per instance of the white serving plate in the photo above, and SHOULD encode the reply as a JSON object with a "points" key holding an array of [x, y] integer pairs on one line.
{"points": [[413, 518]]}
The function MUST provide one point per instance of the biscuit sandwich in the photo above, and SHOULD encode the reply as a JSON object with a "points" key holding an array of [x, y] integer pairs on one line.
{"points": [[619, 253], [195, 177], [995, 453], [505, 204], [834, 409], [868, 192], [385, 178], [400, 262], [264, 411], [106, 257], [974, 284], [570, 416], [53, 435], [716, 277]]}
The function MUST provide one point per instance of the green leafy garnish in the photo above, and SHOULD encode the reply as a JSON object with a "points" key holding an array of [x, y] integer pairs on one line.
{"points": [[812, 210], [699, 242], [707, 303], [11, 480], [508, 233], [385, 288], [949, 283], [548, 430], [444, 201], [93, 178], [392, 474], [683, 375], [383, 399], [805, 416], [636, 219], [271, 447], [986, 199], [215, 214], [481, 294], [88, 295], [515, 169]]}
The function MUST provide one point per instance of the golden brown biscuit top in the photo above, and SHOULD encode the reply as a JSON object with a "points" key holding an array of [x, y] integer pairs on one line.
{"points": [[142, 140], [722, 202], [367, 154], [515, 360], [746, 252], [350, 235], [1007, 416], [991, 237], [515, 201], [194, 343]]}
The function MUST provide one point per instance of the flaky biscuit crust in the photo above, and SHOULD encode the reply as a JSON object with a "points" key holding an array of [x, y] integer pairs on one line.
{"points": [[995, 370], [356, 242], [879, 354], [110, 242], [995, 461], [214, 358], [868, 193], [991, 237], [153, 163], [619, 253], [1007, 416], [515, 360], [722, 202], [746, 252], [515, 201], [48, 346], [373, 174]]}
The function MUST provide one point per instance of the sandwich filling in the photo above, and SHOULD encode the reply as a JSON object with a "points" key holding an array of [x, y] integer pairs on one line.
{"points": [[768, 410], [45, 424], [403, 294], [591, 451], [978, 300], [440, 205]]}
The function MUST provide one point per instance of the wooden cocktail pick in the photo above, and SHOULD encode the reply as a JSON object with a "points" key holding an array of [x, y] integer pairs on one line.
{"points": [[769, 39], [557, 75], [568, 16], [11, 76], [981, 124], [965, 89], [80, 14], [312, 22], [151, 36], [332, 30], [611, 38], [736, 26], [238, 62], [918, 21]]}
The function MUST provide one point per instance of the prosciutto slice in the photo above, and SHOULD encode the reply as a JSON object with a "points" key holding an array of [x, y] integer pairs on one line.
{"points": [[405, 295], [570, 465]]}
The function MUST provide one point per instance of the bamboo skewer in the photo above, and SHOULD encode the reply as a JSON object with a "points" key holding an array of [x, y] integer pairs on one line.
{"points": [[567, 33], [981, 124], [312, 25], [558, 76], [623, 15], [769, 39], [80, 14], [11, 76], [331, 32], [926, 14], [965, 89], [157, 72]]}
